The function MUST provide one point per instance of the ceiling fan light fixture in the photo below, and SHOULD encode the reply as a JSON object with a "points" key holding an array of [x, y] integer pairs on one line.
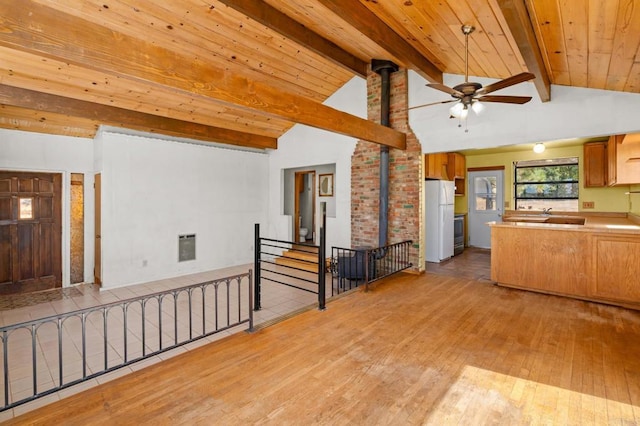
{"points": [[469, 93], [456, 110], [477, 107], [538, 148], [464, 112]]}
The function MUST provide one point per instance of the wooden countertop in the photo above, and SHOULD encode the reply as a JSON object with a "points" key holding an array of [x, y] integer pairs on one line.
{"points": [[593, 223]]}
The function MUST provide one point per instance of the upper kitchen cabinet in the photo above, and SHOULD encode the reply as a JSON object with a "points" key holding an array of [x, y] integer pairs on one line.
{"points": [[456, 166], [595, 164], [435, 166], [446, 166], [457, 170], [623, 159]]}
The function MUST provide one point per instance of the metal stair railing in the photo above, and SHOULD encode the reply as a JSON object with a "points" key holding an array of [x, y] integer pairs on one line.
{"points": [[308, 275], [351, 268], [63, 350]]}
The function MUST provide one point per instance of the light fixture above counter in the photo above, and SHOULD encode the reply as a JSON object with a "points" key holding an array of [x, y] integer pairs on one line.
{"points": [[539, 148]]}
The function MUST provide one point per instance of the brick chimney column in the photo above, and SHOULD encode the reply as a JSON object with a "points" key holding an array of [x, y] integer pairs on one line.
{"points": [[405, 176]]}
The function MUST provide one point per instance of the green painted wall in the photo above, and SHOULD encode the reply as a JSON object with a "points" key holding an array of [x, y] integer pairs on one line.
{"points": [[608, 199], [634, 200]]}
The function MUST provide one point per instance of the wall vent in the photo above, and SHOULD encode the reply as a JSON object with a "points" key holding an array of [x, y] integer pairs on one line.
{"points": [[186, 247]]}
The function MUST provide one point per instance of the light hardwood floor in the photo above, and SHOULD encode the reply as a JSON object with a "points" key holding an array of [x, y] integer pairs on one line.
{"points": [[428, 349]]}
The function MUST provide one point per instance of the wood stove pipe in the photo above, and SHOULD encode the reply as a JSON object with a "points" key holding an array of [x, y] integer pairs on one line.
{"points": [[384, 69]]}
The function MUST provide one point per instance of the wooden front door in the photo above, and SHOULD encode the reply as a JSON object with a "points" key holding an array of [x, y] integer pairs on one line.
{"points": [[30, 231]]}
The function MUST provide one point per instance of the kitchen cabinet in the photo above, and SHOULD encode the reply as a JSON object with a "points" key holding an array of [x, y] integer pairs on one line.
{"points": [[551, 260], [623, 159], [456, 166], [435, 166], [595, 164], [446, 166], [617, 268], [456, 169], [611, 159], [597, 261], [459, 185]]}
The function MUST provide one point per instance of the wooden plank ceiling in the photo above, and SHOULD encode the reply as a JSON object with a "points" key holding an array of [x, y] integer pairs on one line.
{"points": [[242, 72]]}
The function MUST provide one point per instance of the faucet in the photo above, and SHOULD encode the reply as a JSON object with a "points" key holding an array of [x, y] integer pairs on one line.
{"points": [[546, 211]]}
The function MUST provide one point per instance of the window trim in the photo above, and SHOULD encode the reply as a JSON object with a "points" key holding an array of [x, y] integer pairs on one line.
{"points": [[567, 161]]}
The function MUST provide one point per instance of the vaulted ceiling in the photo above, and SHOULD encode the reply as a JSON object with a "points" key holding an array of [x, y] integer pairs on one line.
{"points": [[242, 72]]}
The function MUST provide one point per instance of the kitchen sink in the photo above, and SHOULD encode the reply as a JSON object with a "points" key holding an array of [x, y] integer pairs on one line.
{"points": [[566, 220], [543, 218]]}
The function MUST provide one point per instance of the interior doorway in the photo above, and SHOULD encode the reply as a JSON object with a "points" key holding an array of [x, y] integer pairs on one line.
{"points": [[30, 231], [305, 206], [76, 243]]}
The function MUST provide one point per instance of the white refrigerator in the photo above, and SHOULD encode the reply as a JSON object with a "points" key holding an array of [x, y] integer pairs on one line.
{"points": [[438, 218]]}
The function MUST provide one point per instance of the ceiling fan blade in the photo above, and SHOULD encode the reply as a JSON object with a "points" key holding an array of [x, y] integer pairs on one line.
{"points": [[509, 81], [505, 99], [434, 103], [446, 89]]}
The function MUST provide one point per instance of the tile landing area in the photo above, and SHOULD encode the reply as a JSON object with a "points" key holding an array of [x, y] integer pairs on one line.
{"points": [[277, 301]]}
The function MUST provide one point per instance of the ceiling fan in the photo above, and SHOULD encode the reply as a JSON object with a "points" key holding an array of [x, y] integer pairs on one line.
{"points": [[469, 94]]}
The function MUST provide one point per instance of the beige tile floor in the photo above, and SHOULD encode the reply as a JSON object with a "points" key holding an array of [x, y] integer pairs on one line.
{"points": [[277, 301]]}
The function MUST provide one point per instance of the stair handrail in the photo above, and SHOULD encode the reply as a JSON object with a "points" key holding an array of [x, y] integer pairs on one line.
{"points": [[302, 277]]}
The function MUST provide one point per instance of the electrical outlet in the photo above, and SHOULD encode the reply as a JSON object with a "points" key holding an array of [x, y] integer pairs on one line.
{"points": [[588, 205]]}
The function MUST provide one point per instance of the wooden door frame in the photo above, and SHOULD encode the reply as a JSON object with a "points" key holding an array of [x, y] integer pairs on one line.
{"points": [[298, 184], [97, 244]]}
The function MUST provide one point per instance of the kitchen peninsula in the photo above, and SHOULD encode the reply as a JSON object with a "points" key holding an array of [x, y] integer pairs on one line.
{"points": [[597, 261]]}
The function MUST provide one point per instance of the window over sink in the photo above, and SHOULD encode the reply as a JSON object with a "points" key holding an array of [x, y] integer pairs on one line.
{"points": [[545, 184]]}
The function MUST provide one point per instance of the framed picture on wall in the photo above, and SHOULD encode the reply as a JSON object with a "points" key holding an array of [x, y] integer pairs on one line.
{"points": [[325, 184]]}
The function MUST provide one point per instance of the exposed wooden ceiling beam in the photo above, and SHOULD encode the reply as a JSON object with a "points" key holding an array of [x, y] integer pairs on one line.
{"points": [[42, 30], [120, 117], [29, 120], [365, 21], [519, 21], [268, 16]]}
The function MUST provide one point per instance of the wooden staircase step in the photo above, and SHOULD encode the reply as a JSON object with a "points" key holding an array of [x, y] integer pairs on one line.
{"points": [[311, 257], [296, 263], [302, 257], [305, 248]]}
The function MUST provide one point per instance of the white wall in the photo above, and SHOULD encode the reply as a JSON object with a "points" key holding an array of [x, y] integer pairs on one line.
{"points": [[155, 190], [27, 151], [304, 146], [571, 113]]}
